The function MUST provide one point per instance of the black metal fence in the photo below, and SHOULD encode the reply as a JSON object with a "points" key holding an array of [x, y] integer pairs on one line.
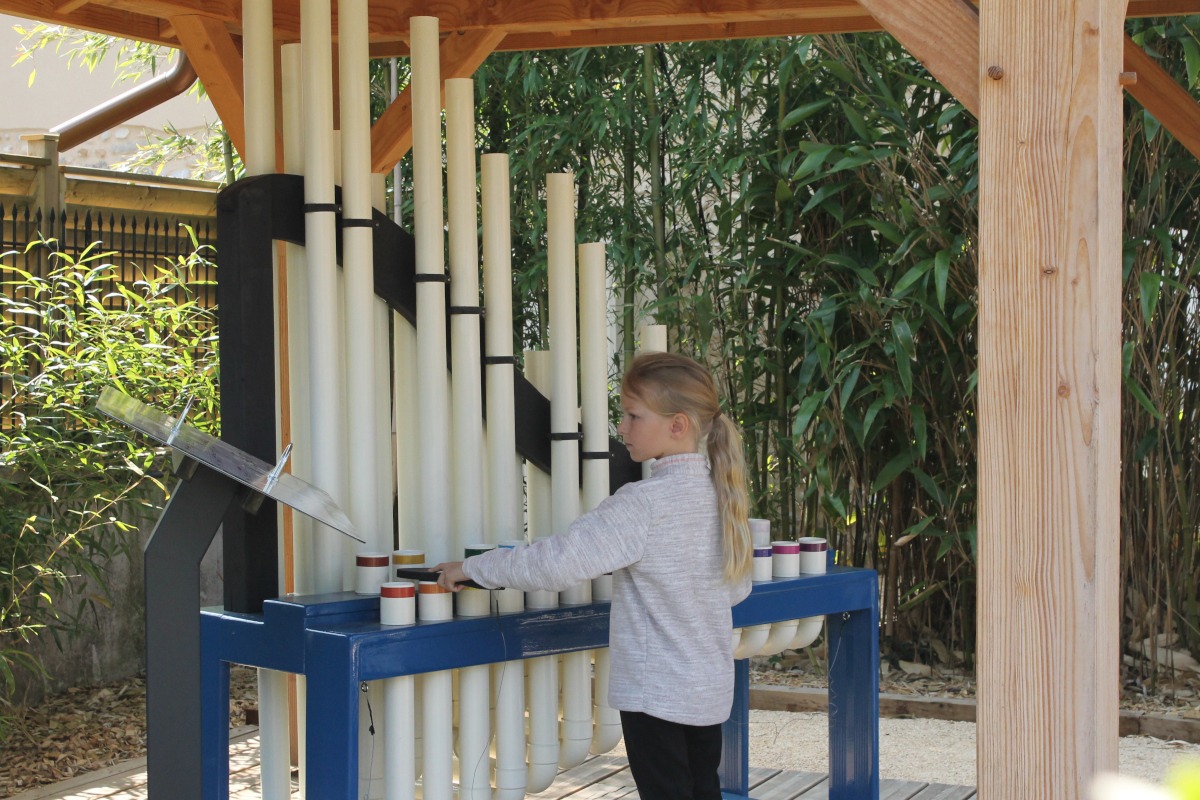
{"points": [[134, 244]]}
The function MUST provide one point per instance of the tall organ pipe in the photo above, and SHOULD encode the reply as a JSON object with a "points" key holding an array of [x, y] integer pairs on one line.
{"points": [[259, 81], [359, 319], [542, 689], [432, 382], [576, 735], [329, 462], [505, 514], [357, 267], [467, 420], [466, 391], [593, 382]]}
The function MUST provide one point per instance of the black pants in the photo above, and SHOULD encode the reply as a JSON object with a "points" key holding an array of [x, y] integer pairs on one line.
{"points": [[670, 761]]}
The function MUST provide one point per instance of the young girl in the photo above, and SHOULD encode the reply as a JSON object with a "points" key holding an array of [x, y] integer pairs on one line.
{"points": [[678, 545]]}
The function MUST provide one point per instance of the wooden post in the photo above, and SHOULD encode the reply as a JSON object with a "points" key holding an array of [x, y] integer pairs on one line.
{"points": [[1049, 396], [47, 187]]}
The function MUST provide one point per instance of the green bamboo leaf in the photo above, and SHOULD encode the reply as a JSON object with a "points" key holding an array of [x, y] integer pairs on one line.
{"points": [[941, 274], [869, 418], [913, 275], [813, 162], [847, 389], [821, 195], [892, 470], [1191, 57], [808, 407], [1143, 399], [1149, 289], [920, 429], [802, 113], [856, 120]]}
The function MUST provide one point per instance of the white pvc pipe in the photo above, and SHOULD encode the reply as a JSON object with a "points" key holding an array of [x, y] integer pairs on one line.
{"points": [[437, 723], [564, 392], [400, 778], [653, 338], [329, 467], [474, 706], [593, 382], [543, 708], [564, 452], [405, 429], [358, 269], [466, 388], [505, 515], [394, 87], [258, 77], [537, 482], [432, 382]]}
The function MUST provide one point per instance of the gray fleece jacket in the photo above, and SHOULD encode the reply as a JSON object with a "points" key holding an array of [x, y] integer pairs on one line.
{"points": [[670, 629]]}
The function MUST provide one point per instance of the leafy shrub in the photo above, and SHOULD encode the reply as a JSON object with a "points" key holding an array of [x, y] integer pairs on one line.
{"points": [[73, 484]]}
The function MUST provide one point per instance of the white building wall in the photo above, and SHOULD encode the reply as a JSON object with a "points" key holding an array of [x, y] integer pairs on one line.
{"points": [[60, 93]]}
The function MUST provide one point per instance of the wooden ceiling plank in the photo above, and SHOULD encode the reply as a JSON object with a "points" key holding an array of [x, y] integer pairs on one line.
{"points": [[92, 17], [218, 62], [460, 55], [70, 6], [1170, 103], [949, 49], [549, 16], [610, 37]]}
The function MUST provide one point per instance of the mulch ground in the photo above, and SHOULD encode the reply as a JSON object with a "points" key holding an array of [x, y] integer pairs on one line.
{"points": [[87, 729]]}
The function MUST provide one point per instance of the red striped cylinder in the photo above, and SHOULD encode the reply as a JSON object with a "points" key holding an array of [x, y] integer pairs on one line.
{"points": [[397, 603], [370, 570]]}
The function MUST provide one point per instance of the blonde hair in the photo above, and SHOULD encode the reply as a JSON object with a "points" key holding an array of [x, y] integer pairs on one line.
{"points": [[669, 383]]}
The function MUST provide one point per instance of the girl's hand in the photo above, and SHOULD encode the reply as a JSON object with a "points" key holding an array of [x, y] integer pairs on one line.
{"points": [[451, 576]]}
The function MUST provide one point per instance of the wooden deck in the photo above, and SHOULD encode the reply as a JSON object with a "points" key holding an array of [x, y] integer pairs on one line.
{"points": [[599, 778]]}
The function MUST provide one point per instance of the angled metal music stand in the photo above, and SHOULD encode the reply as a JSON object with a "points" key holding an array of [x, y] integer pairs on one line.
{"points": [[212, 475]]}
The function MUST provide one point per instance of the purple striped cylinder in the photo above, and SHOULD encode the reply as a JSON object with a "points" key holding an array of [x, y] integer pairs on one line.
{"points": [[762, 564], [785, 559], [812, 555]]}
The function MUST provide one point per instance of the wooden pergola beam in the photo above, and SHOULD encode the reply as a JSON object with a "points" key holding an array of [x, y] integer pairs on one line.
{"points": [[608, 37], [1170, 103], [218, 63], [948, 49], [460, 55]]}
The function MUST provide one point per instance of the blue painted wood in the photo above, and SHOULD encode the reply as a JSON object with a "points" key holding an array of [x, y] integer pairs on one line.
{"points": [[337, 642], [735, 736]]}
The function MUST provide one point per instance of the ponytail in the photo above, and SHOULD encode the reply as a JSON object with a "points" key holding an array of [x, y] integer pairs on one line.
{"points": [[670, 383], [729, 478]]}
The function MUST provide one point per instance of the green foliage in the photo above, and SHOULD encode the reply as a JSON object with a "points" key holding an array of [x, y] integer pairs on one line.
{"points": [[73, 485], [1160, 453]]}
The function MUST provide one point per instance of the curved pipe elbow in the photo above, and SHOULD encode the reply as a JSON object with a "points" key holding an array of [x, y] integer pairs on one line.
{"points": [[781, 636], [752, 640], [807, 631]]}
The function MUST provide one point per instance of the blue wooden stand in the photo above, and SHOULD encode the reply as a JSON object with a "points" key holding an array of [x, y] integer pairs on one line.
{"points": [[336, 642]]}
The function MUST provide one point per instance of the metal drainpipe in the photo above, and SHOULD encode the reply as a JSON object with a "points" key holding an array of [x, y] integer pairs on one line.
{"points": [[127, 105]]}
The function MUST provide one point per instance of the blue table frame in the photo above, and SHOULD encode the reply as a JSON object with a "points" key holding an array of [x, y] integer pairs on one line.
{"points": [[336, 641]]}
